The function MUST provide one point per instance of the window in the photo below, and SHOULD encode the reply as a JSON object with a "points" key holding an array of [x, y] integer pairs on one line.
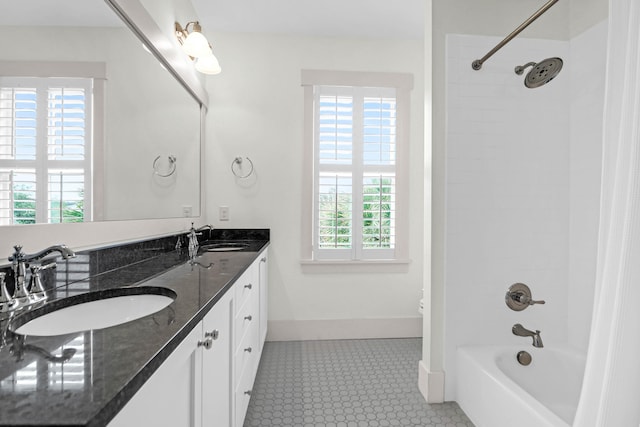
{"points": [[45, 150], [356, 131]]}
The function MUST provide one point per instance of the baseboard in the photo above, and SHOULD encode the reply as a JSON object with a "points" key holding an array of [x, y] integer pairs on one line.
{"points": [[336, 329], [431, 384]]}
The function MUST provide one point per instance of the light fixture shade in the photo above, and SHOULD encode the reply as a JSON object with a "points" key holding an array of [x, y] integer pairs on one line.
{"points": [[208, 64], [196, 45]]}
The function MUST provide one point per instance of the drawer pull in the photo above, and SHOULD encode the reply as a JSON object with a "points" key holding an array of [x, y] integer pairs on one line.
{"points": [[213, 334], [249, 286], [248, 392], [207, 344], [248, 318], [248, 349]]}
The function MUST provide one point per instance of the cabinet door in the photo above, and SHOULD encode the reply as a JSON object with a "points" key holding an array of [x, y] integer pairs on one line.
{"points": [[171, 397], [216, 361]]}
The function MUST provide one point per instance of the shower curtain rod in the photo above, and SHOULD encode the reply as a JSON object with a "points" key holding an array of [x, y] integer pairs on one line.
{"points": [[477, 64]]}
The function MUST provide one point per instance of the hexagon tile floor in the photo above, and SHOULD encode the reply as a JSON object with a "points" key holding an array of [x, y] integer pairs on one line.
{"points": [[345, 383]]}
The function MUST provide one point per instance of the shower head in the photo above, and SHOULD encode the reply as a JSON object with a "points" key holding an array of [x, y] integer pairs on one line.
{"points": [[541, 73]]}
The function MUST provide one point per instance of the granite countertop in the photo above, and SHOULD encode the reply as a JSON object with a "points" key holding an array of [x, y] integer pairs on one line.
{"points": [[85, 378]]}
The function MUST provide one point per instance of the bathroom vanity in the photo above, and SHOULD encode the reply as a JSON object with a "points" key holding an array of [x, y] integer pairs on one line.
{"points": [[191, 363]]}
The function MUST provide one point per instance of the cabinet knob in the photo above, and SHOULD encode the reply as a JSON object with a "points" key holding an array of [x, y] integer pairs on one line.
{"points": [[213, 334], [248, 392], [249, 286], [207, 344], [264, 259], [248, 349], [248, 318]]}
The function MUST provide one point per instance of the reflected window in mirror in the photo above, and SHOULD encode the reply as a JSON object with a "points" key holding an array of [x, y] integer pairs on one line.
{"points": [[45, 149]]}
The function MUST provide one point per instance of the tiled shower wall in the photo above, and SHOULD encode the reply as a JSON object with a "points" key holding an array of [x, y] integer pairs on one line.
{"points": [[520, 191], [588, 56]]}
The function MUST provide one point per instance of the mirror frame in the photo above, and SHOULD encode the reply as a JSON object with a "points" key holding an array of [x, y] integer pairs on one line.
{"points": [[136, 17], [88, 235]]}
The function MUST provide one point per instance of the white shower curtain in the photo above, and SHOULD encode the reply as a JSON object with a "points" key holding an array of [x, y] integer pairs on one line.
{"points": [[611, 390]]}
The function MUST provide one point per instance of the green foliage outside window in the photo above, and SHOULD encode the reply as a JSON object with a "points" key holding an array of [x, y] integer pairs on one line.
{"points": [[24, 209], [335, 217]]}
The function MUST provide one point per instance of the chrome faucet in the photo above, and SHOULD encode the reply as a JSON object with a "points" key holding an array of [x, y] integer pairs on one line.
{"points": [[204, 227], [521, 331], [19, 263], [19, 348], [193, 234]]}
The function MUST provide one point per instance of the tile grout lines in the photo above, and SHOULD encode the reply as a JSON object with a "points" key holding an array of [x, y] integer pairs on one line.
{"points": [[345, 383]]}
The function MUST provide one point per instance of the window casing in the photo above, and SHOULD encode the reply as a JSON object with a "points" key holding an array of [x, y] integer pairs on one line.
{"points": [[45, 149], [356, 132]]}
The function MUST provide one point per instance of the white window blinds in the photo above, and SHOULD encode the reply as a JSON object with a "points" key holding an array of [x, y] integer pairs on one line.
{"points": [[45, 150], [355, 172]]}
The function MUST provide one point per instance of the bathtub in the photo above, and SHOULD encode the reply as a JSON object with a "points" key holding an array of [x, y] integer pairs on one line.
{"points": [[494, 390]]}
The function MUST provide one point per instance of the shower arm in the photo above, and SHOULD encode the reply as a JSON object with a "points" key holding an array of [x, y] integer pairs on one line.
{"points": [[477, 64], [520, 68]]}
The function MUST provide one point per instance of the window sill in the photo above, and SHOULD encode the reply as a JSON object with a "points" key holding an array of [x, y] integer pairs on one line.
{"points": [[351, 266]]}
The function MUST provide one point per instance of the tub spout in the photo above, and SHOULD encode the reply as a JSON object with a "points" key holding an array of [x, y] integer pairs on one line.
{"points": [[521, 331]]}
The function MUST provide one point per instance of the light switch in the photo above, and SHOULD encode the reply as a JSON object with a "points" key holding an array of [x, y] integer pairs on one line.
{"points": [[223, 213]]}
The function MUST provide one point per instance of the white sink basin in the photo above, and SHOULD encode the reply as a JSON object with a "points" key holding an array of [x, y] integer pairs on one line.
{"points": [[225, 247], [96, 310]]}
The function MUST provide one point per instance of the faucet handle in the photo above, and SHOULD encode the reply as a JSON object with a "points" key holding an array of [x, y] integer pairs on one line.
{"points": [[37, 290], [518, 297], [17, 254]]}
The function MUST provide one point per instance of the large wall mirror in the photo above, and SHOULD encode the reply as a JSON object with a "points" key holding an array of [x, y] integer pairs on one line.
{"points": [[92, 126]]}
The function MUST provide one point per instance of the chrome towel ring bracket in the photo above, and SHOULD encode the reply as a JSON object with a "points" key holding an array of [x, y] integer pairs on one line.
{"points": [[172, 166], [237, 167]]}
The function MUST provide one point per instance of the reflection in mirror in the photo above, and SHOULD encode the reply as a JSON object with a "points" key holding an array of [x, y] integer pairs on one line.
{"points": [[92, 127]]}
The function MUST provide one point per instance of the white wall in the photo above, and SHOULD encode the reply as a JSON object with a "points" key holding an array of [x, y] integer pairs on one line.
{"points": [[495, 18], [523, 192], [563, 21], [256, 111], [588, 59], [586, 14], [507, 189]]}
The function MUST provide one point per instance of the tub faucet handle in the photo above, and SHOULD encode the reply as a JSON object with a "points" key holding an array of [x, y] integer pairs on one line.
{"points": [[518, 297]]}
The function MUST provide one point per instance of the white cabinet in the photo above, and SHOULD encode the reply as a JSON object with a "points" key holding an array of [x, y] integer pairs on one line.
{"points": [[191, 388], [170, 397], [246, 346], [207, 380], [263, 283], [216, 359], [250, 328]]}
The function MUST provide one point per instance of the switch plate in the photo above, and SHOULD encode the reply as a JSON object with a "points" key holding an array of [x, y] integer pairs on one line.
{"points": [[223, 213], [187, 211]]}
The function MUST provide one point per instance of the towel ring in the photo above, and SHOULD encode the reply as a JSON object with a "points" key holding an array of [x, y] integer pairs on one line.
{"points": [[172, 166], [238, 161]]}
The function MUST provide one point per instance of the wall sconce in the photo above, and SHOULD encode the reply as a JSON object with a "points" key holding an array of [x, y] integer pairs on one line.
{"points": [[196, 45]]}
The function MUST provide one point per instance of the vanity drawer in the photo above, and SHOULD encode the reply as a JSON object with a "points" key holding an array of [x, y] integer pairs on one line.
{"points": [[247, 353], [245, 289], [242, 396], [247, 286], [246, 318]]}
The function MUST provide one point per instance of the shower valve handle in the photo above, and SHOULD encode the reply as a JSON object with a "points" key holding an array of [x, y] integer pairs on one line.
{"points": [[525, 299], [518, 297]]}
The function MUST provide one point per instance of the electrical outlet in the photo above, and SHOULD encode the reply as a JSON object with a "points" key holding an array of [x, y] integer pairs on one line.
{"points": [[187, 211], [223, 213]]}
